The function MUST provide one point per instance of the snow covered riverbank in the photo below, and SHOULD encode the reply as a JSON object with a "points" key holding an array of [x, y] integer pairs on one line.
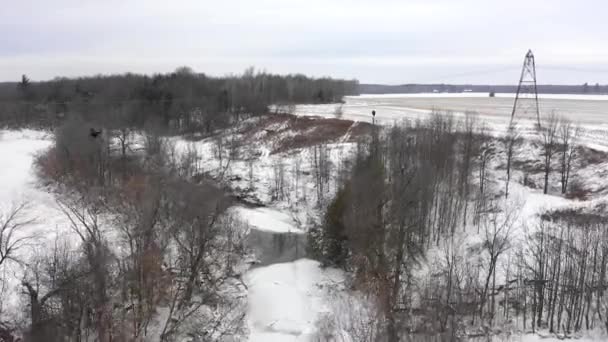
{"points": [[285, 299], [19, 185]]}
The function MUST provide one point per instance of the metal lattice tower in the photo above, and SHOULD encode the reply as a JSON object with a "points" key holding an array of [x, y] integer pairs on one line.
{"points": [[526, 99]]}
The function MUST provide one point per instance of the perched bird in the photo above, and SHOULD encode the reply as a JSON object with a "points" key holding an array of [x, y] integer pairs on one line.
{"points": [[95, 133]]}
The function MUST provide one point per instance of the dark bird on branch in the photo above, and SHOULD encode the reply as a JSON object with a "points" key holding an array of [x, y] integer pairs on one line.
{"points": [[95, 133]]}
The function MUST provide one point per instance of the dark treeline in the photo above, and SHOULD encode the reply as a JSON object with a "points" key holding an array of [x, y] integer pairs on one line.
{"points": [[181, 100], [480, 88]]}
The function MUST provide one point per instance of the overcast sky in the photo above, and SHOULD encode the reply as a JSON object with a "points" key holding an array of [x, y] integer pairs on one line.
{"points": [[375, 41]]}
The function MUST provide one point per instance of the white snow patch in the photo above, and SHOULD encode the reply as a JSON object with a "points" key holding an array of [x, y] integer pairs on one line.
{"points": [[486, 95], [286, 300], [19, 184], [587, 110], [268, 219], [591, 336]]}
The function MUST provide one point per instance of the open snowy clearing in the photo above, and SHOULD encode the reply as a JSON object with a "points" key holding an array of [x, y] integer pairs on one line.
{"points": [[267, 219], [591, 111], [18, 148], [285, 300], [18, 185], [484, 95]]}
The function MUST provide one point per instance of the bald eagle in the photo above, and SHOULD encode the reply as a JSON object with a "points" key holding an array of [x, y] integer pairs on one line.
{"points": [[94, 133]]}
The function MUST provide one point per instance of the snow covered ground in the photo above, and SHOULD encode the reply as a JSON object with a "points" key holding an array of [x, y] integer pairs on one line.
{"points": [[287, 293], [287, 299], [19, 184], [591, 111], [17, 149], [269, 220]]}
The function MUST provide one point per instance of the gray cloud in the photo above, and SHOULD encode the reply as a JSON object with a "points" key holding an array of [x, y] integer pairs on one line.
{"points": [[384, 41]]}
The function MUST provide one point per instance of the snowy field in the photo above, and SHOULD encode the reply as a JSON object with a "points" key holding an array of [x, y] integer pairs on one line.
{"points": [[19, 185], [591, 111], [286, 300]]}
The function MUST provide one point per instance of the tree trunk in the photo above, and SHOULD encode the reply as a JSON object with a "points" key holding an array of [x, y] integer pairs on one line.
{"points": [[37, 330], [547, 170]]}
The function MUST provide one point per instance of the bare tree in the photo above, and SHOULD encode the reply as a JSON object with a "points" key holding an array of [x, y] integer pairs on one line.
{"points": [[153, 139], [548, 133], [497, 229], [454, 293], [85, 223], [278, 172], [139, 219], [12, 234], [486, 154], [568, 135], [321, 168], [121, 123], [469, 151], [338, 111], [511, 140], [353, 318], [207, 247], [296, 171], [251, 159], [55, 284], [190, 162]]}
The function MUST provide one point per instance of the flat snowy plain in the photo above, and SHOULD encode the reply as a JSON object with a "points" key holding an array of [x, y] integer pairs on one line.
{"points": [[590, 111]]}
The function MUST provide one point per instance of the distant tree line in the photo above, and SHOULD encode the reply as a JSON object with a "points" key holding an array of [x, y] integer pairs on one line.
{"points": [[182, 100]]}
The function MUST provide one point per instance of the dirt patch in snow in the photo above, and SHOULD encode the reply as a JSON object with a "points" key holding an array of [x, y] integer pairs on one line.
{"points": [[289, 132], [578, 216], [589, 156]]}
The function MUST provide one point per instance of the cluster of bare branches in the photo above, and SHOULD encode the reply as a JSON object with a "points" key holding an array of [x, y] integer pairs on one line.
{"points": [[408, 190], [15, 239], [14, 236], [558, 136], [156, 256], [566, 272], [408, 193]]}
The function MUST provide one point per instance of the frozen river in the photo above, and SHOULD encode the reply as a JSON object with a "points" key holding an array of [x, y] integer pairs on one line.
{"points": [[591, 111]]}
